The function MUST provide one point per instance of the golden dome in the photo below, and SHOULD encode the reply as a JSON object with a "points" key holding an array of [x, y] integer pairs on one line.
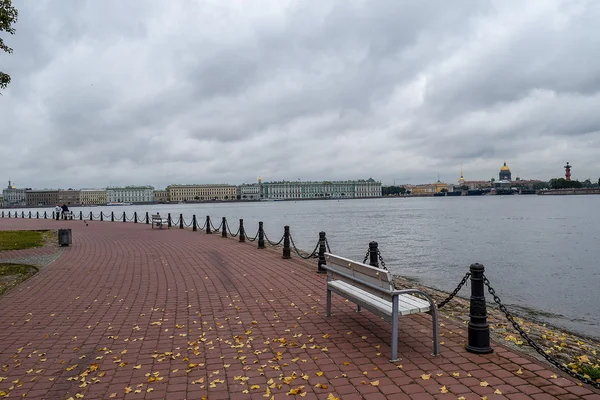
{"points": [[504, 168]]}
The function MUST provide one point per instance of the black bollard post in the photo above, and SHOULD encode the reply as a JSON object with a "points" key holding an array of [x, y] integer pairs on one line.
{"points": [[169, 220], [147, 218], [124, 217], [479, 329], [180, 221], [112, 216], [91, 216], [242, 232], [81, 215], [135, 217], [286, 243], [2, 214], [322, 250], [22, 214], [37, 215], [261, 235], [373, 260], [52, 214], [29, 214], [208, 231], [45, 215], [224, 229], [194, 227], [101, 216]]}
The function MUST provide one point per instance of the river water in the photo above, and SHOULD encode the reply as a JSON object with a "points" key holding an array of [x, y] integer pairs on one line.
{"points": [[541, 253]]}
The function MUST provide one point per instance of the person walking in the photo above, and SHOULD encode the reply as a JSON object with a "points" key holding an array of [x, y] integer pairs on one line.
{"points": [[57, 211], [65, 209]]}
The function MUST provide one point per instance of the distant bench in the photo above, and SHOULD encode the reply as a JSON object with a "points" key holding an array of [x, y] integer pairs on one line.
{"points": [[67, 215], [159, 221], [372, 288]]}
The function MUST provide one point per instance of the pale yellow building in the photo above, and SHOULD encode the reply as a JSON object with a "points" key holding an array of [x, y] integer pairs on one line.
{"points": [[92, 196], [430, 188], [202, 192], [161, 196]]}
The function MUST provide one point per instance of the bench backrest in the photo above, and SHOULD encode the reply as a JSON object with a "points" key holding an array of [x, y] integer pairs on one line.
{"points": [[157, 216], [360, 275]]}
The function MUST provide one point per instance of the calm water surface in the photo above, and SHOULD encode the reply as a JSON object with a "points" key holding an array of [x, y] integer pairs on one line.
{"points": [[541, 253]]}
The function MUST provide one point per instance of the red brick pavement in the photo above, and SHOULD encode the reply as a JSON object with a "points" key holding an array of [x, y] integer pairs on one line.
{"points": [[130, 312]]}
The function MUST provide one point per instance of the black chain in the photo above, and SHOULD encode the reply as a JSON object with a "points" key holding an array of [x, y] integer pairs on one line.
{"points": [[255, 237], [455, 292], [314, 253], [381, 260], [217, 229], [273, 243], [203, 226], [366, 256], [535, 346], [234, 235]]}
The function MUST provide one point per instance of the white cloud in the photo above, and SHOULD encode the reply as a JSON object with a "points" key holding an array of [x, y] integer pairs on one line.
{"points": [[228, 91]]}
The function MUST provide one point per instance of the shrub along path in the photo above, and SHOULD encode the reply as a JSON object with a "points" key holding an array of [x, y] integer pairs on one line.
{"points": [[132, 312]]}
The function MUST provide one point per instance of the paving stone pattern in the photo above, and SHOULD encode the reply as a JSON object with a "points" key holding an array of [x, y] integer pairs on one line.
{"points": [[129, 312]]}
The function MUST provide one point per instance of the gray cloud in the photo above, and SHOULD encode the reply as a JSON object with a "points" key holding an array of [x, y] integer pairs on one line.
{"points": [[155, 92]]}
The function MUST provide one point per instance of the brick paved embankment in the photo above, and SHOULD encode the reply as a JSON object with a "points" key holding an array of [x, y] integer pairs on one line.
{"points": [[130, 312]]}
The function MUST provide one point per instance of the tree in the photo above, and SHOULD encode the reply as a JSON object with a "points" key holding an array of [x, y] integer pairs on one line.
{"points": [[541, 185], [8, 16]]}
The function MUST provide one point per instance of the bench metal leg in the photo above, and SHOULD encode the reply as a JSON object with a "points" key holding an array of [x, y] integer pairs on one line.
{"points": [[436, 339], [395, 328], [328, 304]]}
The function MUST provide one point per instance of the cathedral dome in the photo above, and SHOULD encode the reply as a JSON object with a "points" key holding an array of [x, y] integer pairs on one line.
{"points": [[504, 174]]}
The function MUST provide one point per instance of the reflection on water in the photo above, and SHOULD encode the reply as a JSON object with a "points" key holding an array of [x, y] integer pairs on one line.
{"points": [[540, 253]]}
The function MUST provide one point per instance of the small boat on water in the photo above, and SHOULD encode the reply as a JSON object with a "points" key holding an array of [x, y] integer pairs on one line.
{"points": [[118, 204]]}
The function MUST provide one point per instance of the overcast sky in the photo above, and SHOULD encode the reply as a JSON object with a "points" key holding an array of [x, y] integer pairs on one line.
{"points": [[223, 91]]}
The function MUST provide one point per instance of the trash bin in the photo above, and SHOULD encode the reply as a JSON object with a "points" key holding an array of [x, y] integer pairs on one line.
{"points": [[64, 237]]}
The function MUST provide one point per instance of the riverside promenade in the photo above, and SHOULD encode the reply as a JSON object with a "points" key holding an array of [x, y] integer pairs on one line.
{"points": [[129, 312]]}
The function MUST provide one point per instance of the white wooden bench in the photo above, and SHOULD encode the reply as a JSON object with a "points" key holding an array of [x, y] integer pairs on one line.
{"points": [[372, 288], [159, 221], [67, 215]]}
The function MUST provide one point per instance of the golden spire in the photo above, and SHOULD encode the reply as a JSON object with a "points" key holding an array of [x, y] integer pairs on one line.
{"points": [[462, 178]]}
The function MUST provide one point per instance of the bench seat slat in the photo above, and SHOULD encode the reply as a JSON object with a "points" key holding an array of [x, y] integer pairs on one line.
{"points": [[407, 304]]}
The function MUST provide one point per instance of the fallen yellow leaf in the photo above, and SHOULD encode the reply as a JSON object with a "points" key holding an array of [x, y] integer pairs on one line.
{"points": [[497, 391], [584, 358], [425, 376], [443, 389], [375, 383], [484, 384]]}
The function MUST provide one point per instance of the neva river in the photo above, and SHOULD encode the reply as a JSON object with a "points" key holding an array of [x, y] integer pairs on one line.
{"points": [[541, 253]]}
